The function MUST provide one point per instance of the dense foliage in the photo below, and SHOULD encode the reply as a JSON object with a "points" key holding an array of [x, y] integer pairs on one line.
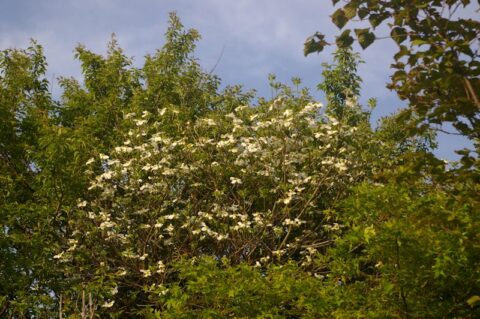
{"points": [[151, 192]]}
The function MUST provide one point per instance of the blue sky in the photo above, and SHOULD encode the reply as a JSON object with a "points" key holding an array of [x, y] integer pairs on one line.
{"points": [[256, 37]]}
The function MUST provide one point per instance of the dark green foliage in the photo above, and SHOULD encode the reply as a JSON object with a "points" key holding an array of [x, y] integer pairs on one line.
{"points": [[341, 85], [24, 105], [413, 243], [212, 288]]}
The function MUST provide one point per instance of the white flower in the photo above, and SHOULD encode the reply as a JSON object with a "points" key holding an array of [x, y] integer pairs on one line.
{"points": [[289, 197], [106, 224], [351, 102], [146, 272], [58, 256], [90, 161], [104, 157], [161, 267], [82, 204], [123, 149], [113, 162], [235, 180], [341, 167], [140, 122], [108, 304], [129, 115], [210, 122], [221, 237], [107, 175], [312, 106], [278, 253]]}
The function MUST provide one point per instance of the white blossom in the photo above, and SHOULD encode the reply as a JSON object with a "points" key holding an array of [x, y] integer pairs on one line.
{"points": [[82, 204], [146, 272], [235, 180]]}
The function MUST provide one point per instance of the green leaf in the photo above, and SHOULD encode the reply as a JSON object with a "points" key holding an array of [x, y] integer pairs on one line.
{"points": [[376, 19], [399, 34], [365, 37], [473, 301], [339, 18], [315, 43], [362, 13], [402, 52], [369, 232], [350, 10], [344, 40], [419, 42]]}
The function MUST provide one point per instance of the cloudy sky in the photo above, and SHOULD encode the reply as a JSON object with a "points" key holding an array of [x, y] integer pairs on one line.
{"points": [[248, 38]]}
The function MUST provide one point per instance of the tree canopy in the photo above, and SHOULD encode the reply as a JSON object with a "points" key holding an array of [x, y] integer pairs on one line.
{"points": [[152, 192]]}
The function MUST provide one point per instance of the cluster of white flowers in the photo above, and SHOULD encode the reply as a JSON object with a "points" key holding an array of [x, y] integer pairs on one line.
{"points": [[255, 177]]}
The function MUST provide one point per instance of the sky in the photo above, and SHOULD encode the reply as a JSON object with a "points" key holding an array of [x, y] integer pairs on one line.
{"points": [[242, 40]]}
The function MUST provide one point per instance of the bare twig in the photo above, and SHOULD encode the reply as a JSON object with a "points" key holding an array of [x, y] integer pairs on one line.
{"points": [[60, 315], [471, 93], [91, 311], [84, 314]]}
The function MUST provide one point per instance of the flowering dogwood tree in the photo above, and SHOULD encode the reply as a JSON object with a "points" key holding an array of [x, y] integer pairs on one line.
{"points": [[248, 185]]}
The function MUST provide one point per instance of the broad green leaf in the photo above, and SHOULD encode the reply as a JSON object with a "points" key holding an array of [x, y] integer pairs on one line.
{"points": [[315, 43], [402, 52], [399, 34], [344, 40], [339, 18], [377, 18], [363, 12], [350, 10], [365, 37]]}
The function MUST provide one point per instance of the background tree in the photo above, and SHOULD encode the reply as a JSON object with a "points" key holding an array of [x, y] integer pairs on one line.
{"points": [[436, 68], [26, 232]]}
